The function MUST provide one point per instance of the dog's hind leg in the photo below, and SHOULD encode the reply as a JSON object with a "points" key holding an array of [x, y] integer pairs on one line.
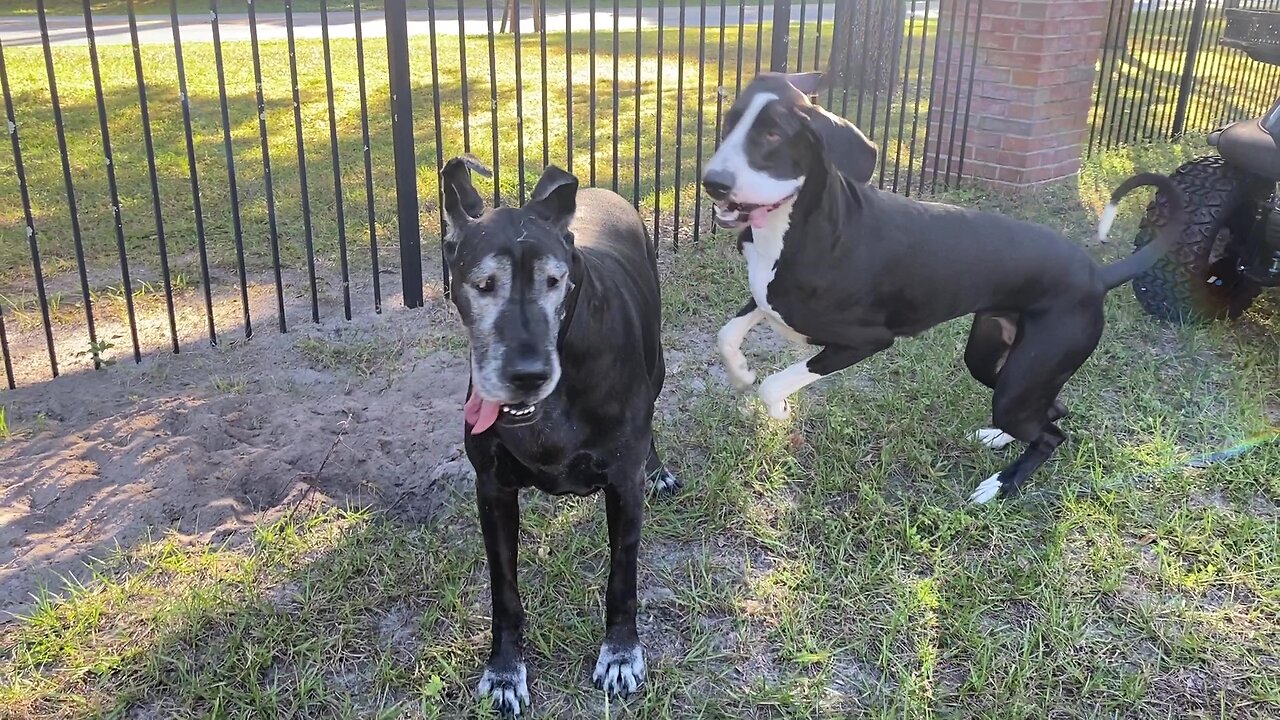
{"points": [[991, 338], [1052, 347], [997, 439], [1008, 481], [620, 668], [662, 482]]}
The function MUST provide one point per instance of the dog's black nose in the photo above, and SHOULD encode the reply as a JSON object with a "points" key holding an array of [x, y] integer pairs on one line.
{"points": [[528, 376], [718, 183]]}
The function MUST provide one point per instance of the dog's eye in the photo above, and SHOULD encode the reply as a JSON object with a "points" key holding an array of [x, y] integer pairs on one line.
{"points": [[552, 281], [484, 286], [772, 136]]}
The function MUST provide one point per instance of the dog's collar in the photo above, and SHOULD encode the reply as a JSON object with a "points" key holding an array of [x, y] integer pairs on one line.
{"points": [[782, 202], [745, 208], [577, 278], [756, 216]]}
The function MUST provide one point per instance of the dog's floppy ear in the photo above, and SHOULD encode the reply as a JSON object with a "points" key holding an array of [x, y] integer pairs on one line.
{"points": [[807, 83], [848, 149], [555, 197], [462, 203]]}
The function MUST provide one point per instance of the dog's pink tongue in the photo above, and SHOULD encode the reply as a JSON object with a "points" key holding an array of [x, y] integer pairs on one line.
{"points": [[480, 414], [758, 217]]}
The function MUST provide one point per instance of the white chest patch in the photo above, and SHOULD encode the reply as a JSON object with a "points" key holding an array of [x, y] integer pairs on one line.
{"points": [[762, 255]]}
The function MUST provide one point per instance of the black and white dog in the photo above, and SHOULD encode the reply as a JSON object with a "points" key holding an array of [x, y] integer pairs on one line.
{"points": [[836, 263], [560, 300]]}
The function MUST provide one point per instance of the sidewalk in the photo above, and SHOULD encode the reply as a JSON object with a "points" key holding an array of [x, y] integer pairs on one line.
{"points": [[156, 29]]}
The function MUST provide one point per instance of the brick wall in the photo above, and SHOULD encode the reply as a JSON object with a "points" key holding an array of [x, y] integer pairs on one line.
{"points": [[1032, 89]]}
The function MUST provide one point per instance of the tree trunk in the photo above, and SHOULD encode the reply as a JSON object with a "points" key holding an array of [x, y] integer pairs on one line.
{"points": [[866, 45], [1117, 38], [510, 10]]}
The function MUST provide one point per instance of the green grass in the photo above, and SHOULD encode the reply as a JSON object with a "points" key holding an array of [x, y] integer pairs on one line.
{"points": [[1140, 94], [459, 131], [364, 356], [44, 172], [823, 567]]}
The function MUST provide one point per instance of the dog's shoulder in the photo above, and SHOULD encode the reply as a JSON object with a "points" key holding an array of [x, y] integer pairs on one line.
{"points": [[607, 226], [605, 216]]}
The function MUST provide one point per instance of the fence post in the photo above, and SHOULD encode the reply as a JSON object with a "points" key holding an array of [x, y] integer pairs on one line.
{"points": [[1189, 66], [406, 164], [781, 41], [1025, 90]]}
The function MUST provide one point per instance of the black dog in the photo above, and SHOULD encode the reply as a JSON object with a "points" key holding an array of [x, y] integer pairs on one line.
{"points": [[834, 262], [560, 300]]}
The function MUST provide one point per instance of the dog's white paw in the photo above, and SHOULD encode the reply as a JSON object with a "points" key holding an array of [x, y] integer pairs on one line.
{"points": [[729, 345], [664, 483], [779, 410], [509, 690], [619, 670], [741, 376], [986, 491], [774, 397], [994, 438]]}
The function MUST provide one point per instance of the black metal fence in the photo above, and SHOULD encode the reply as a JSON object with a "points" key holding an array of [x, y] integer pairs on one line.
{"points": [[1163, 72], [174, 177], [167, 176]]}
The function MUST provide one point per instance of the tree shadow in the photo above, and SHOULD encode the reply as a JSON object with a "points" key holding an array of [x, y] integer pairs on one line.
{"points": [[43, 163]]}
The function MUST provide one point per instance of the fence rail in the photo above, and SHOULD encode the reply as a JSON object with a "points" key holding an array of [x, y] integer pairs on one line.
{"points": [[178, 179], [169, 174]]}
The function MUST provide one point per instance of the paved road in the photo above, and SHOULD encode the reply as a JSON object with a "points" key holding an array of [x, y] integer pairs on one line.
{"points": [[156, 29], [15, 31]]}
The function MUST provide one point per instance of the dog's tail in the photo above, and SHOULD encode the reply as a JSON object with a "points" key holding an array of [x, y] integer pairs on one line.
{"points": [[1120, 272]]}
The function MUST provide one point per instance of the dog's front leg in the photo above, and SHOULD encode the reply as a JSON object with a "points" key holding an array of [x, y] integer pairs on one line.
{"points": [[776, 388], [505, 679], [729, 343], [620, 667]]}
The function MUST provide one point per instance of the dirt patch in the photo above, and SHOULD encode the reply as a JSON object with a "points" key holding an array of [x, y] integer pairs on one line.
{"points": [[212, 441], [208, 442]]}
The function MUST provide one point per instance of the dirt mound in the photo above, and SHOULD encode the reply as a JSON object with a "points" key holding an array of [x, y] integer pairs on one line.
{"points": [[210, 441]]}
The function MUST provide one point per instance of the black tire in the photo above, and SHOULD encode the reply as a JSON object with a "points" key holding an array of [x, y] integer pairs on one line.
{"points": [[1197, 280]]}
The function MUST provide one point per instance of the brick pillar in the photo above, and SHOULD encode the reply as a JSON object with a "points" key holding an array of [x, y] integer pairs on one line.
{"points": [[1032, 89]]}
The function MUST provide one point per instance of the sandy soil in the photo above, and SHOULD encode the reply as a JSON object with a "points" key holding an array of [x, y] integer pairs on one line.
{"points": [[210, 441]]}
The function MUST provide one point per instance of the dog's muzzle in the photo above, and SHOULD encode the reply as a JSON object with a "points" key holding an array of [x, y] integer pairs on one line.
{"points": [[718, 185], [481, 414], [730, 214]]}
